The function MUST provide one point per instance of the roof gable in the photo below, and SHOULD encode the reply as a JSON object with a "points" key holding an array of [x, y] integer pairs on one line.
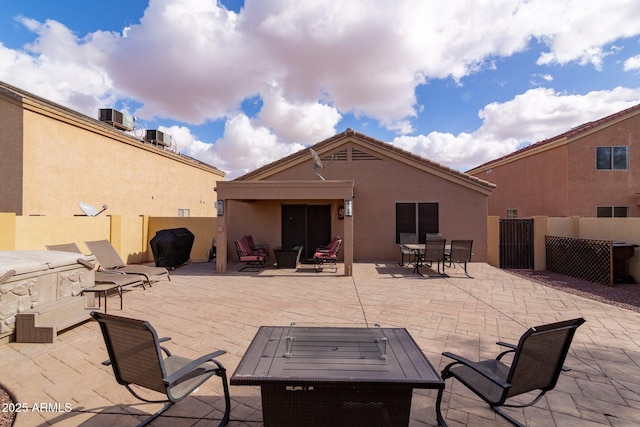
{"points": [[372, 149]]}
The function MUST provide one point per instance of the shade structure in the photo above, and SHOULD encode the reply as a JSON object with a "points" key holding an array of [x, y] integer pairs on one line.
{"points": [[172, 247]]}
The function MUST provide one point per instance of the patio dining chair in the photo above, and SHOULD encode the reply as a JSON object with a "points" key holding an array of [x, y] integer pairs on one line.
{"points": [[109, 260], [404, 239], [537, 362], [137, 360], [433, 252], [460, 253]]}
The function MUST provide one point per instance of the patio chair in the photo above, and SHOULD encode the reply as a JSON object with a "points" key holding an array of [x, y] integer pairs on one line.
{"points": [[260, 247], [137, 359], [251, 259], [109, 260], [537, 362], [460, 253], [433, 252], [101, 277], [407, 238], [327, 254]]}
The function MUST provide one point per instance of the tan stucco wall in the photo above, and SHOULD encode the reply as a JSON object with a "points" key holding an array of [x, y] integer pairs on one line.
{"points": [[35, 232], [69, 158], [379, 185], [203, 228]]}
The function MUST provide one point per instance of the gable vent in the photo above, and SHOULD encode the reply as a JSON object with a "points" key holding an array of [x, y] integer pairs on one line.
{"points": [[361, 155], [340, 155]]}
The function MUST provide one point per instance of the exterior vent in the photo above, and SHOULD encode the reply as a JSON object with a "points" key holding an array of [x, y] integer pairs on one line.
{"points": [[158, 138], [116, 118], [361, 155]]}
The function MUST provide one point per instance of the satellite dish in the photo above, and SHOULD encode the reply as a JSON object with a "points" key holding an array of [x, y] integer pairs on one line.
{"points": [[317, 163], [89, 210]]}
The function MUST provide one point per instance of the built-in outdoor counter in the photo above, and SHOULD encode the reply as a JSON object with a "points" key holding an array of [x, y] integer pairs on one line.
{"points": [[31, 279]]}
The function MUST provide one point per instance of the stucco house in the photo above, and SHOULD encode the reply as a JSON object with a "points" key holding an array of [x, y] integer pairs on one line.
{"points": [[588, 171], [54, 157], [390, 190]]}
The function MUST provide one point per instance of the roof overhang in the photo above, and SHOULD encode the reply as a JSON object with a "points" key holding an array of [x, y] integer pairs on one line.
{"points": [[284, 190]]}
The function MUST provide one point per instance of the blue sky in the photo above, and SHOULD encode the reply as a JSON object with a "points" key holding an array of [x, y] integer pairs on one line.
{"points": [[239, 84]]}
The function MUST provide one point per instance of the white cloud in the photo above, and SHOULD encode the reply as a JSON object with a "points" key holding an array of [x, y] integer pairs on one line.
{"points": [[632, 64], [533, 116]]}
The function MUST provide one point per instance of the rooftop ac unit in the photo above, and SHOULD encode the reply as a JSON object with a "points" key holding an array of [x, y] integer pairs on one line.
{"points": [[116, 118], [158, 138]]}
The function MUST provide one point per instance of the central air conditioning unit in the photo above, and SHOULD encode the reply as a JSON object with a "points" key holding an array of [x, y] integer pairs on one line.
{"points": [[158, 138], [116, 118]]}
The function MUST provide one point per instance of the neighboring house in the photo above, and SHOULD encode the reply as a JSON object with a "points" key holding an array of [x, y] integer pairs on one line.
{"points": [[391, 191], [590, 171], [53, 157]]}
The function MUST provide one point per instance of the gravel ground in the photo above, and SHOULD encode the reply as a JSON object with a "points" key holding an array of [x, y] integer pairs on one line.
{"points": [[621, 295]]}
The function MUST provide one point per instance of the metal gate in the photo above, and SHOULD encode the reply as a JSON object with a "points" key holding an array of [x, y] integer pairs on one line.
{"points": [[516, 243]]}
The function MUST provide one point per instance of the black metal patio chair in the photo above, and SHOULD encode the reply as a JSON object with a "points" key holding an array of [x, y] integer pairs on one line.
{"points": [[137, 359], [537, 362], [433, 252], [407, 238], [459, 253]]}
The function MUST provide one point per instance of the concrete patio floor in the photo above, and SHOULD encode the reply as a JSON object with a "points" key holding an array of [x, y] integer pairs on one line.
{"points": [[203, 311]]}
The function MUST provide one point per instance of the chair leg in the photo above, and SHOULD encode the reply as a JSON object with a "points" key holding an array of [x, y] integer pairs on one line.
{"points": [[156, 415], [507, 417], [440, 418], [222, 373]]}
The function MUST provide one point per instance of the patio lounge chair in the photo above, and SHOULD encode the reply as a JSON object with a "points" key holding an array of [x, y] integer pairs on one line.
{"points": [[407, 238], [136, 357], [327, 254], [537, 363], [109, 260], [101, 277], [460, 253], [433, 252], [251, 259]]}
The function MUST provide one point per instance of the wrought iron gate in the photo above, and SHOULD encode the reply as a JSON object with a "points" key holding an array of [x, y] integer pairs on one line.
{"points": [[516, 243]]}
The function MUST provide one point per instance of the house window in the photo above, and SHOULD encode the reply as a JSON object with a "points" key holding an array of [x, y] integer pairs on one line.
{"points": [[184, 212], [512, 213], [608, 158], [612, 211], [419, 218]]}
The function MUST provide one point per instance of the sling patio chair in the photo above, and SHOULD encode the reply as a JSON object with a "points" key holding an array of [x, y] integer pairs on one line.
{"points": [[251, 259], [109, 260], [433, 252], [137, 360], [459, 253], [327, 254], [537, 362], [407, 238]]}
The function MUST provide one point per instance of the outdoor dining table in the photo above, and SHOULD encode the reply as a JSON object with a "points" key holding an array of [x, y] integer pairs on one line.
{"points": [[417, 248], [319, 376]]}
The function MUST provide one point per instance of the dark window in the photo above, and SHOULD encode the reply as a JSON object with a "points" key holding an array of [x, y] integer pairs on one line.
{"points": [[612, 211], [420, 218], [612, 158]]}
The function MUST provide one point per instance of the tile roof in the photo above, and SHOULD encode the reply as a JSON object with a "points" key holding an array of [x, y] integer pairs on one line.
{"points": [[571, 133]]}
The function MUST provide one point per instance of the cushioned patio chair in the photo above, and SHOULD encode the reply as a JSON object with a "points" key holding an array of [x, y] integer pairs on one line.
{"points": [[433, 252], [251, 259], [460, 253], [109, 260], [407, 238], [327, 254], [137, 359], [537, 362], [257, 247], [101, 277]]}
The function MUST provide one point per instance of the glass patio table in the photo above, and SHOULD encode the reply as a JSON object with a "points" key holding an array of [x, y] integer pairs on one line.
{"points": [[319, 376]]}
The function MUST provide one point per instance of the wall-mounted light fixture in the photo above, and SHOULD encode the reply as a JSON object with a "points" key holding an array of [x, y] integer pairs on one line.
{"points": [[348, 207], [220, 207]]}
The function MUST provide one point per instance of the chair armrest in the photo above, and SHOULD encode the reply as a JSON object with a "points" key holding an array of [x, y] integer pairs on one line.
{"points": [[476, 367], [87, 264], [177, 375], [506, 344]]}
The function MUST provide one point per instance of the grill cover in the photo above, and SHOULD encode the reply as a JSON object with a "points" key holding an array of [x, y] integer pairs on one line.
{"points": [[172, 247]]}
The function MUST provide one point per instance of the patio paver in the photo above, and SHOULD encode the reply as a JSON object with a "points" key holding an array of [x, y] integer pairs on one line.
{"points": [[202, 311]]}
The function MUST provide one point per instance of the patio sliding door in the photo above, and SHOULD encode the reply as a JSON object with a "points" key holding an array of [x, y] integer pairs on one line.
{"points": [[308, 226]]}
